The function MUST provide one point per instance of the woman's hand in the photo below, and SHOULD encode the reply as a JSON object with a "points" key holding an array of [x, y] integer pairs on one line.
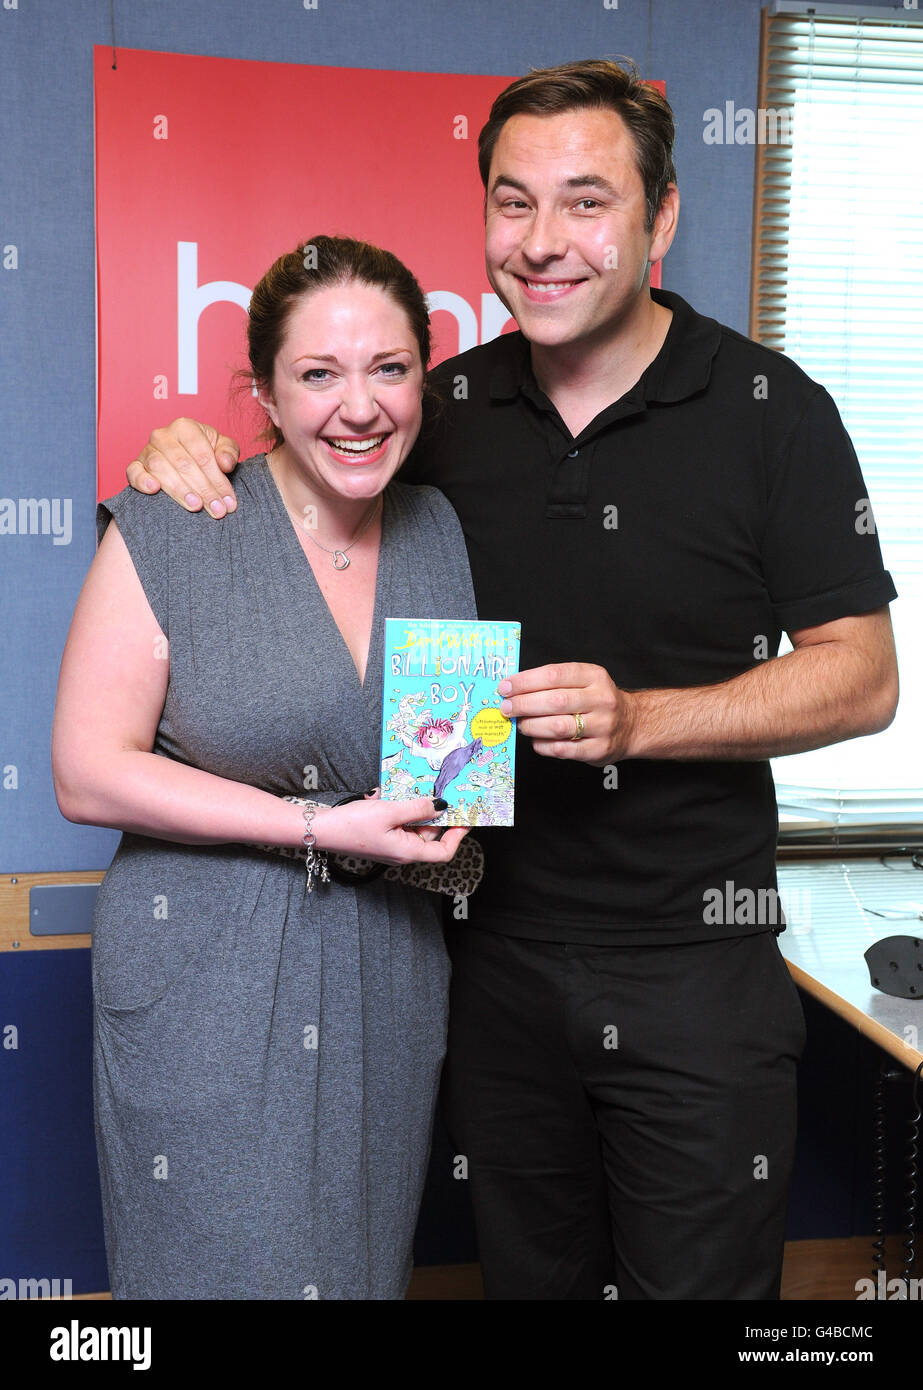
{"points": [[383, 831]]}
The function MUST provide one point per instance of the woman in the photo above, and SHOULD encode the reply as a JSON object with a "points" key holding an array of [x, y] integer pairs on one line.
{"points": [[267, 1046]]}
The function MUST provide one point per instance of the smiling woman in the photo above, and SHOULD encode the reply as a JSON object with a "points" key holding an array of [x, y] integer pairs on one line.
{"points": [[345, 412], [318, 319], [262, 1122], [347, 419]]}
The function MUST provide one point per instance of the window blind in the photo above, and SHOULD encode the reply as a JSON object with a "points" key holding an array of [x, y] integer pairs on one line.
{"points": [[838, 285]]}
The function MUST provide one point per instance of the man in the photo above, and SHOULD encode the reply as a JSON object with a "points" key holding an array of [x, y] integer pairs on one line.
{"points": [[654, 498]]}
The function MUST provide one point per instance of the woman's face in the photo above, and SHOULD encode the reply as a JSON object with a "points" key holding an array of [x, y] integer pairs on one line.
{"points": [[347, 389]]}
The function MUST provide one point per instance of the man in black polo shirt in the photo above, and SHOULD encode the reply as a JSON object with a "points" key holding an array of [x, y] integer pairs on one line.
{"points": [[656, 499]]}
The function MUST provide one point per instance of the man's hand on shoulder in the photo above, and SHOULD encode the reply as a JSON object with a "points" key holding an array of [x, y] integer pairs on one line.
{"points": [[188, 461]]}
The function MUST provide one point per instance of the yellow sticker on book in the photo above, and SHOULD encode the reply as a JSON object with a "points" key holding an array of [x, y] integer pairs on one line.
{"points": [[491, 727]]}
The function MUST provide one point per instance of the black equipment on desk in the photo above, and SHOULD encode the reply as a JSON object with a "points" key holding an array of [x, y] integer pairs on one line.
{"points": [[896, 966]]}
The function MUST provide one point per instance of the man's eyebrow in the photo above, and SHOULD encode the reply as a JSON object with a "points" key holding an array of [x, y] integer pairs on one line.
{"points": [[575, 181], [507, 181], [592, 181]]}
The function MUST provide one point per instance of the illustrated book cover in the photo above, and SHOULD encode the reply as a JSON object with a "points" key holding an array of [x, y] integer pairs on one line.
{"points": [[443, 733]]}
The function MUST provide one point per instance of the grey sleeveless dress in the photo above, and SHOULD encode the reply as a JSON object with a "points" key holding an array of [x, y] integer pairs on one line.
{"points": [[266, 1060]]}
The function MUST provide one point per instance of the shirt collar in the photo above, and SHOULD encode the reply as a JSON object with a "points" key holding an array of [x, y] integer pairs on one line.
{"points": [[681, 368]]}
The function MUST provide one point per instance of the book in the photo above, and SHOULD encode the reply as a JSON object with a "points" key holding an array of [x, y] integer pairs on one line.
{"points": [[443, 732]]}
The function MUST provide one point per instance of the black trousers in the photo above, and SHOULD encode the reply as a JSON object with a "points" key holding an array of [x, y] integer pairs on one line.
{"points": [[627, 1114]]}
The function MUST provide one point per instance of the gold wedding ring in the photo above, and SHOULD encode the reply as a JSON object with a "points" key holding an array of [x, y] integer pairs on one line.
{"points": [[578, 728]]}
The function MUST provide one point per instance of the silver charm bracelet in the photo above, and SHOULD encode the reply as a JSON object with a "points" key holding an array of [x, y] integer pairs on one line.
{"points": [[315, 862]]}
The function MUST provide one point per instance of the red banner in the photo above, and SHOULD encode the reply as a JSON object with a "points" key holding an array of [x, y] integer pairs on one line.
{"points": [[207, 169]]}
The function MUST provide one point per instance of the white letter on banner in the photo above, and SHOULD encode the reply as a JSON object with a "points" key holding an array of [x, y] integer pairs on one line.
{"points": [[494, 315], [462, 313], [191, 299]]}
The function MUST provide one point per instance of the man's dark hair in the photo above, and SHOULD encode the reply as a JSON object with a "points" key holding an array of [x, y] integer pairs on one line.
{"points": [[594, 82]]}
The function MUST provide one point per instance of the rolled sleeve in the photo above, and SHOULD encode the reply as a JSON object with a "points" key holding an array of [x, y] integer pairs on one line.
{"points": [[822, 558]]}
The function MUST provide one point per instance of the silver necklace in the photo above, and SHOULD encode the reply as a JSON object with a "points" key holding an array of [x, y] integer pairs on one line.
{"points": [[340, 558]]}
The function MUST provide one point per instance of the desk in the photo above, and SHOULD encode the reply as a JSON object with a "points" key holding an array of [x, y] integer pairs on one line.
{"points": [[830, 926]]}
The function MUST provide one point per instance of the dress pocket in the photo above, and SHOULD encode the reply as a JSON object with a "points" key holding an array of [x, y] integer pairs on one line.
{"points": [[119, 996], [158, 914], [145, 942]]}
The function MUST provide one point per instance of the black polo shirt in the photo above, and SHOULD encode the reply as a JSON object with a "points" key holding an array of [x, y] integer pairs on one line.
{"points": [[716, 504]]}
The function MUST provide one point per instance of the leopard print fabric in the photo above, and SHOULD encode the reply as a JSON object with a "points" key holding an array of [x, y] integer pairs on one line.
{"points": [[459, 877]]}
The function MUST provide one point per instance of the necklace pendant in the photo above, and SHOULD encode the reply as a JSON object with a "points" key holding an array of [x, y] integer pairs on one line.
{"points": [[340, 560]]}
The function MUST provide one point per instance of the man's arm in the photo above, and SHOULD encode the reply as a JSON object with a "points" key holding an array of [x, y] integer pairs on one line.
{"points": [[840, 682], [189, 462]]}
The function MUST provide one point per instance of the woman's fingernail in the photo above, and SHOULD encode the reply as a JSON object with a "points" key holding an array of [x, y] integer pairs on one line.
{"points": [[230, 504], [193, 499], [441, 805], [216, 508]]}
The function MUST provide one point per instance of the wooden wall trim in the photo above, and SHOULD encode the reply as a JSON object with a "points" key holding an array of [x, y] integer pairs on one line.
{"points": [[15, 934]]}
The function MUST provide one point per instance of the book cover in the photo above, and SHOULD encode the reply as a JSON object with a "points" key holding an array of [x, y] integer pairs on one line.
{"points": [[442, 730]]}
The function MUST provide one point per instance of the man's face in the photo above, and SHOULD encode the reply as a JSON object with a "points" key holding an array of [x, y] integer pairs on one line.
{"points": [[566, 245]]}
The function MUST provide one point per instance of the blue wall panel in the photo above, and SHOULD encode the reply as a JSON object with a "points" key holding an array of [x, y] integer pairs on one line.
{"points": [[50, 1214]]}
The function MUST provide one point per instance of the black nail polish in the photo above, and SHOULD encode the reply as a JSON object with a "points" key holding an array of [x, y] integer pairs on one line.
{"points": [[441, 805]]}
